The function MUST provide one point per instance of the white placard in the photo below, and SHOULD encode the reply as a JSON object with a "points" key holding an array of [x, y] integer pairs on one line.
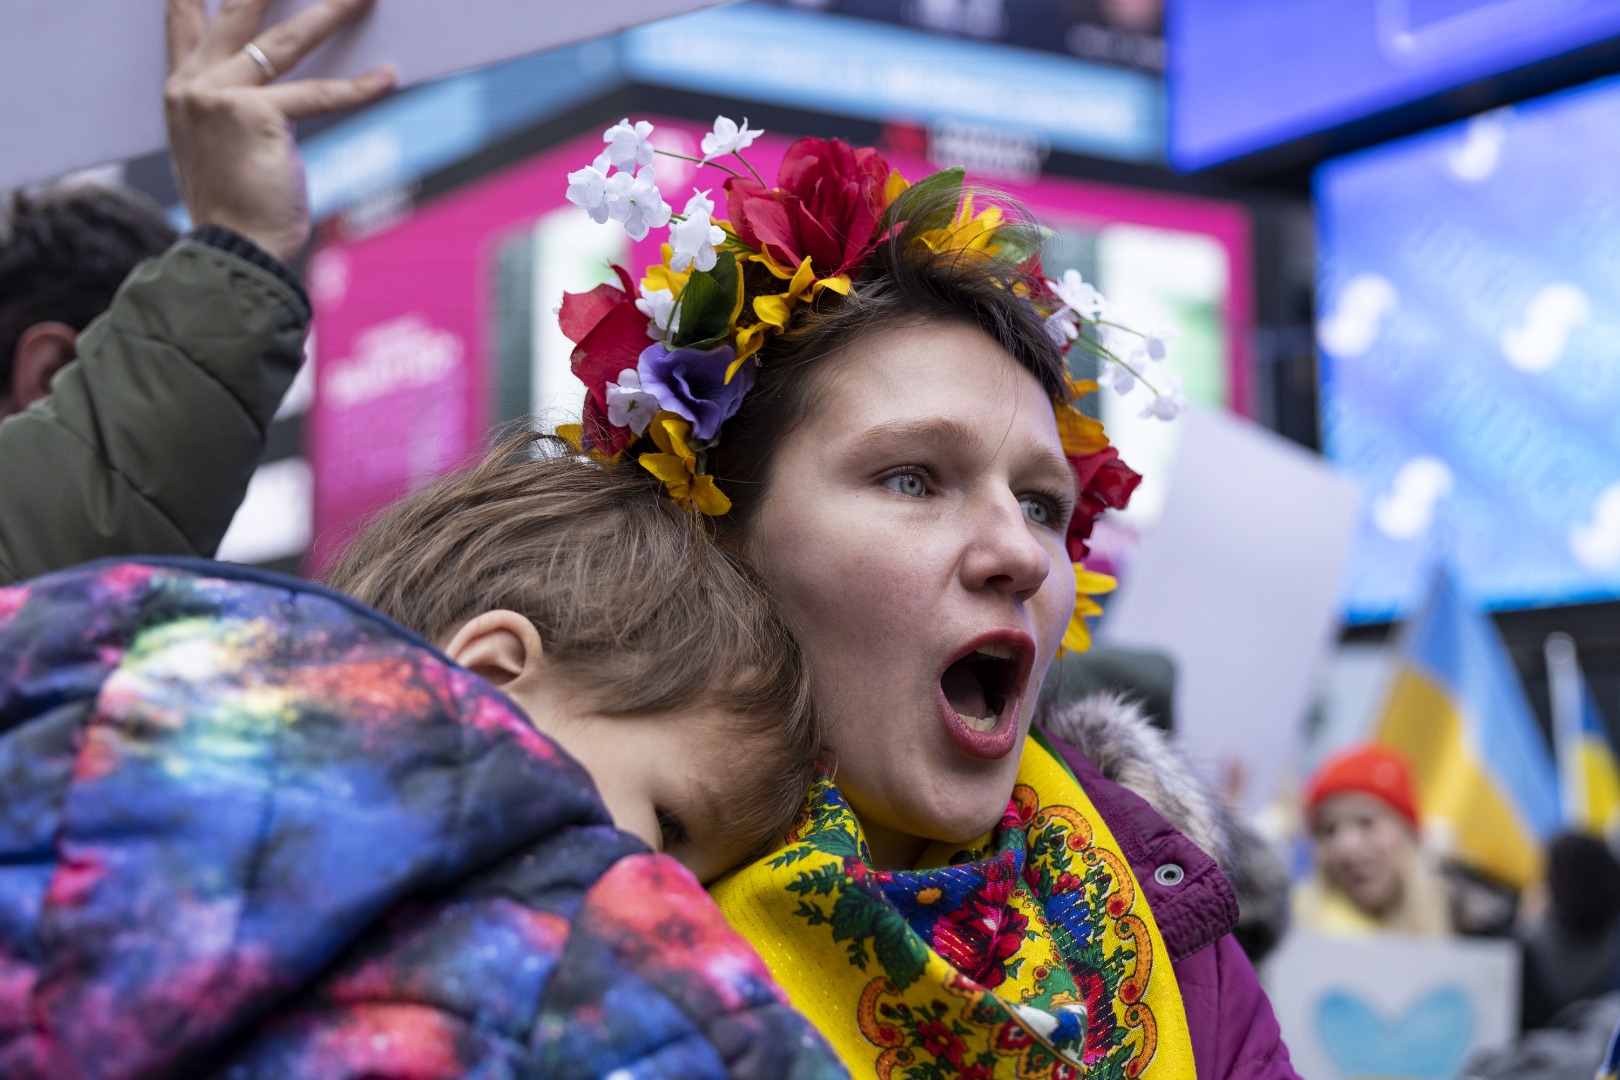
{"points": [[81, 80], [1386, 1007], [1238, 581]]}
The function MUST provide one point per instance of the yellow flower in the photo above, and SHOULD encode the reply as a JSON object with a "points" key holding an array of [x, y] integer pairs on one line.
{"points": [[801, 279], [1080, 434], [895, 187], [969, 232], [574, 435], [677, 467], [748, 340], [774, 309], [1087, 583], [660, 276], [1079, 388]]}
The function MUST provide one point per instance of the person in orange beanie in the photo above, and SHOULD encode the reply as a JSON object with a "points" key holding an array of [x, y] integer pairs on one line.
{"points": [[1370, 872]]}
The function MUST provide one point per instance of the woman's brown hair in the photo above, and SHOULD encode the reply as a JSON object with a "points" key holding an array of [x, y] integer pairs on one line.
{"points": [[636, 605], [903, 283]]}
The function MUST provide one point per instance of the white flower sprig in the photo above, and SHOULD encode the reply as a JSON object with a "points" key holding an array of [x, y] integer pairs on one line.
{"points": [[630, 198], [728, 138], [628, 145], [694, 238], [663, 313], [628, 405], [1166, 404], [588, 188], [642, 207], [620, 185], [1121, 349]]}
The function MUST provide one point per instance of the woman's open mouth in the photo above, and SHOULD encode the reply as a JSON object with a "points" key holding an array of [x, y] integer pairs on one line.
{"points": [[981, 692]]}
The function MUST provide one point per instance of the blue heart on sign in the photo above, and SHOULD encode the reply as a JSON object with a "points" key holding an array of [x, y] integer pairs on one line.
{"points": [[1427, 1041]]}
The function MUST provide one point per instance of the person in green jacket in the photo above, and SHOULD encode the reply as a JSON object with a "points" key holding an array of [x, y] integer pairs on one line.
{"points": [[147, 439], [64, 250]]}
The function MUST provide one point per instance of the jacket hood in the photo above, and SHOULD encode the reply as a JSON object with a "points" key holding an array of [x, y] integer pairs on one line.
{"points": [[1116, 735], [252, 828]]}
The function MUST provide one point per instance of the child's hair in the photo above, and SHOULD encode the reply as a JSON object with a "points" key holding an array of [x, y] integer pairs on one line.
{"points": [[637, 606]]}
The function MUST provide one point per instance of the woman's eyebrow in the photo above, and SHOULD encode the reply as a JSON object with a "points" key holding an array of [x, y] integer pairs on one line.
{"points": [[958, 434], [1045, 460], [944, 429]]}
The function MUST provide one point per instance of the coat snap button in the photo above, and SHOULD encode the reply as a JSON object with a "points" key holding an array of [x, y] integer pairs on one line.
{"points": [[1169, 874]]}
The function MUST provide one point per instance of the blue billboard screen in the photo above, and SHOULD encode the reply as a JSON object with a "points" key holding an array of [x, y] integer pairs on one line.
{"points": [[1469, 333], [1247, 75]]}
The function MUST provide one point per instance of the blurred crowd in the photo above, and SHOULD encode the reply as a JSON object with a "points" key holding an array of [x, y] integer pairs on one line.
{"points": [[1371, 872], [1366, 862]]}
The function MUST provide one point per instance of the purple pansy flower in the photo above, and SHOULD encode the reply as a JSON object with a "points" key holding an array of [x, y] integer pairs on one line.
{"points": [[692, 383]]}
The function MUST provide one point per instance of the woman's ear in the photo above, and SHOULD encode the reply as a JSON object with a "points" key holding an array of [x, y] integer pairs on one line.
{"points": [[501, 646]]}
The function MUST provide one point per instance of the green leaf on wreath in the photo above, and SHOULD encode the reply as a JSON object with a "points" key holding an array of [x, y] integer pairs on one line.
{"points": [[922, 192], [1019, 240], [708, 304]]}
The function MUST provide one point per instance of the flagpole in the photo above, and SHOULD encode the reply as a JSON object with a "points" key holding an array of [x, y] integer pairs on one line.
{"points": [[1564, 691]]}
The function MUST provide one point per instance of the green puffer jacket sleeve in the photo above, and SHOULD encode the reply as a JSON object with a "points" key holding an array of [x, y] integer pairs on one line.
{"points": [[147, 440]]}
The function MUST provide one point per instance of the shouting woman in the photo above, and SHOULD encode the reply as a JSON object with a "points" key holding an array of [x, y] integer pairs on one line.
{"points": [[864, 383]]}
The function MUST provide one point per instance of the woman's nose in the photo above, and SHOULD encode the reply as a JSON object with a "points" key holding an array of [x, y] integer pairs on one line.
{"points": [[1002, 553]]}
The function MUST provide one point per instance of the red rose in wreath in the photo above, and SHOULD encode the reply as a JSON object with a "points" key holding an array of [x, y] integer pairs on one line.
{"points": [[826, 206]]}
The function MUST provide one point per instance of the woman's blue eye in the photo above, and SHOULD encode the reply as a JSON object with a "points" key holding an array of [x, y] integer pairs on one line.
{"points": [[1037, 510], [911, 484]]}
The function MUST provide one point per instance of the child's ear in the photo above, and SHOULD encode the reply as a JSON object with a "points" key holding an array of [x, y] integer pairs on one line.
{"points": [[43, 349], [501, 646]]}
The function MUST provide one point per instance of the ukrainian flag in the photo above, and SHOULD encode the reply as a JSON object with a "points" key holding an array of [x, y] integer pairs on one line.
{"points": [[1457, 713], [1586, 760], [1610, 1069]]}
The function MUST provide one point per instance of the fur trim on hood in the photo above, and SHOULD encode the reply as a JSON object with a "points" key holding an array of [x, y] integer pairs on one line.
{"points": [[1116, 735]]}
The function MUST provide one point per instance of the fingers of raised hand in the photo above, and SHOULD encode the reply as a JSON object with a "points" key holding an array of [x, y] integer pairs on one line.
{"points": [[184, 24], [316, 97], [233, 26], [288, 42], [215, 50]]}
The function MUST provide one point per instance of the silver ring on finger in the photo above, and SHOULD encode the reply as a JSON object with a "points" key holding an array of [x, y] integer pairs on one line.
{"points": [[256, 54]]}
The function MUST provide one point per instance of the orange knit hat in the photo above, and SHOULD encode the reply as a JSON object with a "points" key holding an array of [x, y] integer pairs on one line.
{"points": [[1371, 770]]}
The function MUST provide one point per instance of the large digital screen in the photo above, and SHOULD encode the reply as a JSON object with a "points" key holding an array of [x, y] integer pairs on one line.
{"points": [[1246, 75], [1129, 33], [1469, 331]]}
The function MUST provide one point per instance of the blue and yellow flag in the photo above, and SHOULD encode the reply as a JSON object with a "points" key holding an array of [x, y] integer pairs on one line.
{"points": [[1597, 802], [1610, 1069], [1458, 714], [1587, 767]]}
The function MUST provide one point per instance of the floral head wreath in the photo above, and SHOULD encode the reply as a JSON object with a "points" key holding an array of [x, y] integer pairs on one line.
{"points": [[666, 399]]}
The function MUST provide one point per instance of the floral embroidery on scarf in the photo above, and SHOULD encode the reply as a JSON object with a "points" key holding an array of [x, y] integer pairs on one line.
{"points": [[1029, 955]]}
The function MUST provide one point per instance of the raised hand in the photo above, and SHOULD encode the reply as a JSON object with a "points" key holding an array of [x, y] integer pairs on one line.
{"points": [[230, 123]]}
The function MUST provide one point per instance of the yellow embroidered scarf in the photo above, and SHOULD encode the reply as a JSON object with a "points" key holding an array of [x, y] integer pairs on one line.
{"points": [[1030, 955]]}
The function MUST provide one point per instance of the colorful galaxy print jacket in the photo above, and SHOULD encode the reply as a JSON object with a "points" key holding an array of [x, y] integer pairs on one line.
{"points": [[249, 828]]}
